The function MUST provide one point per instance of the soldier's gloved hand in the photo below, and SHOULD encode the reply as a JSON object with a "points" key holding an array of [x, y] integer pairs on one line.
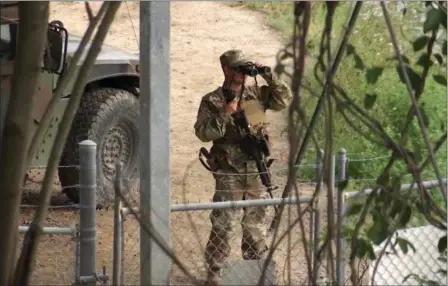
{"points": [[231, 107], [266, 76], [229, 94], [231, 104]]}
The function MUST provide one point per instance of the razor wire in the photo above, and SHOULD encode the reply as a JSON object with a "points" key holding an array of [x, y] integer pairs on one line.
{"points": [[56, 260], [190, 235], [200, 238], [31, 185], [183, 241], [272, 171]]}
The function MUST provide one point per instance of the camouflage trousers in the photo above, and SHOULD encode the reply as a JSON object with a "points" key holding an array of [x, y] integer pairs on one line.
{"points": [[224, 221]]}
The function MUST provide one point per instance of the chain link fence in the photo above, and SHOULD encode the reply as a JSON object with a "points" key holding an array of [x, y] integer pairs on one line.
{"points": [[191, 227], [56, 257], [190, 233], [58, 262], [396, 267], [410, 251], [66, 253]]}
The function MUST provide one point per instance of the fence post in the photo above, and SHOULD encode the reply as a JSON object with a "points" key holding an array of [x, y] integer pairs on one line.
{"points": [[331, 190], [122, 217], [87, 224], [155, 183], [311, 244], [118, 243], [340, 242], [77, 257], [319, 180]]}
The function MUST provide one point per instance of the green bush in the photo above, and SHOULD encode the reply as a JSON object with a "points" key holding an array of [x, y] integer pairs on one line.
{"points": [[372, 48]]}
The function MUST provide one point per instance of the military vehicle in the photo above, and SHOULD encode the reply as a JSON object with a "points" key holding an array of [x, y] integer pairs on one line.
{"points": [[108, 113]]}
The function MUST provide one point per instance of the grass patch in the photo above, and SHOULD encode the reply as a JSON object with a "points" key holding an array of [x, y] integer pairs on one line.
{"points": [[371, 41], [278, 14]]}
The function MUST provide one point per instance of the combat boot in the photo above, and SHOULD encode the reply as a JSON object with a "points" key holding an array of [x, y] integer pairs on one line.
{"points": [[213, 276], [251, 254]]}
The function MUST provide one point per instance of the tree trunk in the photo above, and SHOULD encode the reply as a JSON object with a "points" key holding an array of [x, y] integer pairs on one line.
{"points": [[28, 254], [16, 135]]}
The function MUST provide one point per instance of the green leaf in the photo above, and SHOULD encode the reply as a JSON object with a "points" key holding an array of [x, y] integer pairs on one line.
{"points": [[413, 276], [369, 100], [373, 74], [354, 209], [443, 19], [370, 252], [380, 198], [404, 10], [421, 280], [279, 69], [396, 208], [444, 48], [424, 61], [322, 68], [425, 116], [409, 153], [359, 64], [378, 234], [405, 59], [285, 56], [350, 50], [384, 178], [342, 185], [417, 151], [405, 216], [442, 244], [434, 18], [310, 45], [377, 210], [347, 231], [404, 243], [363, 248], [439, 58], [396, 183], [420, 43], [414, 77], [440, 79], [407, 277], [379, 230]]}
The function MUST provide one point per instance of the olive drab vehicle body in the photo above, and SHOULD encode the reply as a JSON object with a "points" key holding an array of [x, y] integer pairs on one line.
{"points": [[108, 113]]}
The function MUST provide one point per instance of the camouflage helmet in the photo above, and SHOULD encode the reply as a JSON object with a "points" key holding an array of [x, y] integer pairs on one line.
{"points": [[233, 58]]}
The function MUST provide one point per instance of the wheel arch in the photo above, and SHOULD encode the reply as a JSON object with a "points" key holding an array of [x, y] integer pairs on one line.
{"points": [[126, 81]]}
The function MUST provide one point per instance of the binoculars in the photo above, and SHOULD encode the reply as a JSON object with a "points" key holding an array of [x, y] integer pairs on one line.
{"points": [[251, 70]]}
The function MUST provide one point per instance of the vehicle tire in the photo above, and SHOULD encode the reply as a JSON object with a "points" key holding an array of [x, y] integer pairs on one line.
{"points": [[57, 23], [110, 118]]}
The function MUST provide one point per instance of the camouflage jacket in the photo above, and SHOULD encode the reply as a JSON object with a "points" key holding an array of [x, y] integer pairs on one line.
{"points": [[214, 124]]}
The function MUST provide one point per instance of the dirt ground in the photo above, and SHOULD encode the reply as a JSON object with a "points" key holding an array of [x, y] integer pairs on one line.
{"points": [[200, 32]]}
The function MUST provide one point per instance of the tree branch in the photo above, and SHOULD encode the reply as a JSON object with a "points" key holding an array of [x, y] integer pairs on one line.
{"points": [[148, 228], [318, 108], [31, 240], [15, 138], [414, 100], [63, 82]]}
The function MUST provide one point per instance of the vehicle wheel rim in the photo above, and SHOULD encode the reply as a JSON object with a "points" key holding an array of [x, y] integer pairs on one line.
{"points": [[117, 146]]}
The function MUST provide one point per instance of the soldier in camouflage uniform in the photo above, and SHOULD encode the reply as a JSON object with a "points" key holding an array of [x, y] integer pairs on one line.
{"points": [[214, 123]]}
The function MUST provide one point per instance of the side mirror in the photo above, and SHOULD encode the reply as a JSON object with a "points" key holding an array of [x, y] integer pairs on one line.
{"points": [[56, 48]]}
